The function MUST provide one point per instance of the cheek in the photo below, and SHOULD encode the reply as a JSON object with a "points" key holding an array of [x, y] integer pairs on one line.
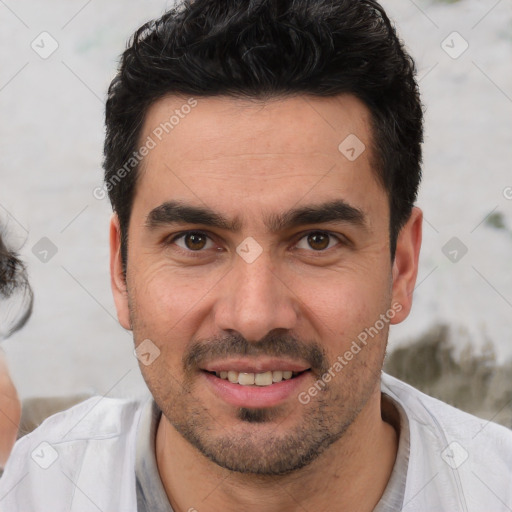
{"points": [[159, 314], [343, 305], [167, 304]]}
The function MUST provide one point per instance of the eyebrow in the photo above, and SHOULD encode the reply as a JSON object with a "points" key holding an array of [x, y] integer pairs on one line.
{"points": [[177, 212]]}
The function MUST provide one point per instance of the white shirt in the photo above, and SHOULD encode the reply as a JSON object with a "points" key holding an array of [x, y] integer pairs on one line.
{"points": [[86, 459]]}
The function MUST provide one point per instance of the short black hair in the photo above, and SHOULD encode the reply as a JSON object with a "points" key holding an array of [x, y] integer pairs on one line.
{"points": [[262, 49], [16, 296]]}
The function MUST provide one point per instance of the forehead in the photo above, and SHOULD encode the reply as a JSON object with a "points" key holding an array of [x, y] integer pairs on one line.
{"points": [[221, 150], [276, 125]]}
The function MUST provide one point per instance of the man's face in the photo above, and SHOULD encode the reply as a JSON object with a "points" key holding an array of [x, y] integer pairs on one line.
{"points": [[266, 285]]}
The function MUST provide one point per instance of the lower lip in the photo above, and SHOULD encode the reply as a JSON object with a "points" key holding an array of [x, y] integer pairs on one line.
{"points": [[255, 396]]}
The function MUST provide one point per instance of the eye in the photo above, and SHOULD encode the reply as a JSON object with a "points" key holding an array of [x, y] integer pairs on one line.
{"points": [[193, 241], [318, 240], [198, 241]]}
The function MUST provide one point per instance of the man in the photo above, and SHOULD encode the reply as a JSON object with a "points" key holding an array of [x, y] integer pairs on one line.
{"points": [[263, 160]]}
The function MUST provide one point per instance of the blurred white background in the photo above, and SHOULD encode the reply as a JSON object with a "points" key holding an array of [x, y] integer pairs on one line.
{"points": [[51, 137]]}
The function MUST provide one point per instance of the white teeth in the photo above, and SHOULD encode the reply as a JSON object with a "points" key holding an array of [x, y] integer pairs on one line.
{"points": [[258, 379], [246, 379], [277, 376], [263, 379]]}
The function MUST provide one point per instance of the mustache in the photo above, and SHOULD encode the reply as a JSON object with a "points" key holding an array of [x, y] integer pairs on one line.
{"points": [[275, 344]]}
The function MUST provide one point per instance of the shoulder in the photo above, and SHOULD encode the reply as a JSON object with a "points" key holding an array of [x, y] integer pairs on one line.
{"points": [[93, 418], [456, 461], [90, 446], [430, 411]]}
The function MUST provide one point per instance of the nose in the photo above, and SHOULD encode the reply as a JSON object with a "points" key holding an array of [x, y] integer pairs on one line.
{"points": [[255, 299]]}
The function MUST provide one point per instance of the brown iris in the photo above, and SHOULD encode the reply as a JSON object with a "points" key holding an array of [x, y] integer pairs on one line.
{"points": [[195, 241], [318, 240]]}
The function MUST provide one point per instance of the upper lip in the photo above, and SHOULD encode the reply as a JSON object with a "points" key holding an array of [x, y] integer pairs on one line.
{"points": [[259, 365]]}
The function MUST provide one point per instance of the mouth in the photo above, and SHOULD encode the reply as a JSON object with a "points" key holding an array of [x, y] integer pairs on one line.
{"points": [[257, 379], [255, 384]]}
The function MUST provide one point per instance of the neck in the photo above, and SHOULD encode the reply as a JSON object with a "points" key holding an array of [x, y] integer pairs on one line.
{"points": [[352, 472]]}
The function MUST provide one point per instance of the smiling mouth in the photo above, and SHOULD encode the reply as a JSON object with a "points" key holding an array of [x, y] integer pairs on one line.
{"points": [[257, 379]]}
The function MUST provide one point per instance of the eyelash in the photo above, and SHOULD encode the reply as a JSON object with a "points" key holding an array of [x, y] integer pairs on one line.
{"points": [[198, 253]]}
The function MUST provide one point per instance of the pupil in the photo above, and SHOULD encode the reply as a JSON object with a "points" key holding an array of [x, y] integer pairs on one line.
{"points": [[318, 241], [195, 241]]}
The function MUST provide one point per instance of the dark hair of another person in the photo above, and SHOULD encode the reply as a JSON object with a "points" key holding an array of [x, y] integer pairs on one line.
{"points": [[265, 49], [16, 296]]}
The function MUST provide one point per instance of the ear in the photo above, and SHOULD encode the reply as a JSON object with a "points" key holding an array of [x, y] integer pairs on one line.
{"points": [[405, 265], [117, 277]]}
